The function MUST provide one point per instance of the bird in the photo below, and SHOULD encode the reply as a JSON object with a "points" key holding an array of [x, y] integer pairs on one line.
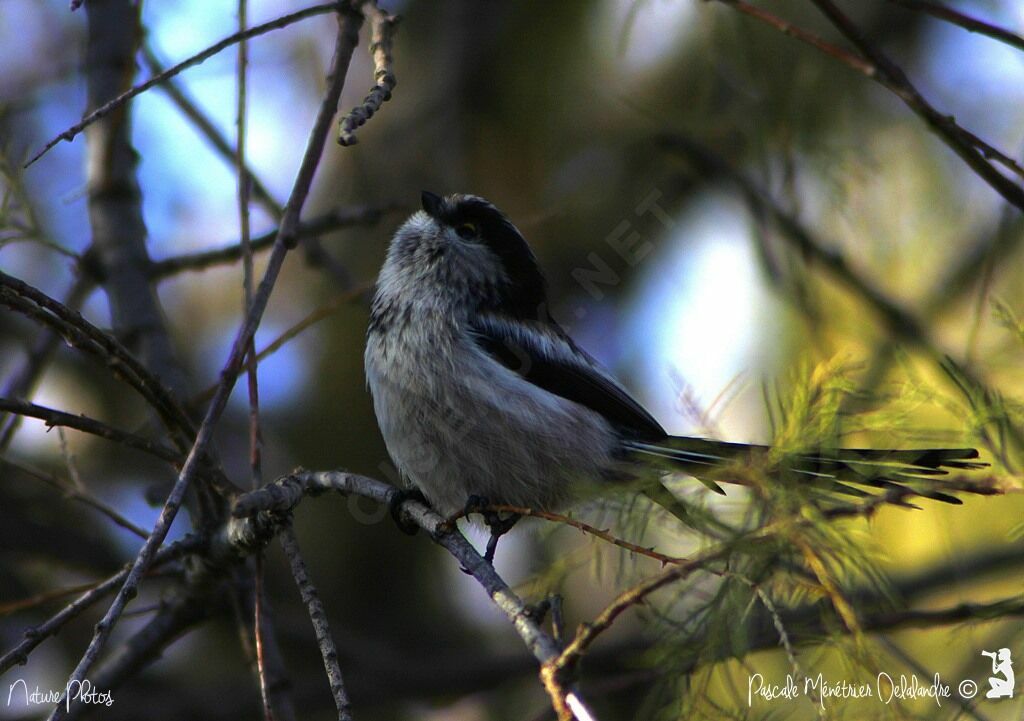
{"points": [[481, 395]]}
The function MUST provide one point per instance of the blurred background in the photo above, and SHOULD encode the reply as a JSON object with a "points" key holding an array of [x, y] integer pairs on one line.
{"points": [[580, 120]]}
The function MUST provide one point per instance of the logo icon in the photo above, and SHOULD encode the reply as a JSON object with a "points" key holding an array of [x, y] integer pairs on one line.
{"points": [[1002, 680]]}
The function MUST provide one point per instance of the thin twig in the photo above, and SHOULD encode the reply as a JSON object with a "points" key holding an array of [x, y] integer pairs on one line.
{"points": [[40, 599], [900, 322], [202, 260], [875, 65], [312, 318], [255, 441], [204, 125], [21, 383], [196, 59], [602, 534], [37, 634], [81, 334], [971, 24], [278, 685], [245, 182], [77, 494], [53, 417], [587, 633], [257, 514], [972, 150], [316, 255], [382, 33], [348, 37], [787, 28], [290, 545]]}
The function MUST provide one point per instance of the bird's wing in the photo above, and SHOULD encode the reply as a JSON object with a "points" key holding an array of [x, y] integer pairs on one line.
{"points": [[543, 354]]}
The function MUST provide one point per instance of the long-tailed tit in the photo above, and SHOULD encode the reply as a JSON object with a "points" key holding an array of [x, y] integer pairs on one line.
{"points": [[480, 393]]}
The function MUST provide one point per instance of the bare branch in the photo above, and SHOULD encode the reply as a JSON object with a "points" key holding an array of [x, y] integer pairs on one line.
{"points": [[81, 334], [787, 28], [278, 685], [348, 37], [290, 545], [973, 150], [23, 381], [196, 59], [77, 494], [875, 65], [37, 634], [259, 514], [589, 632], [209, 131], [334, 220], [54, 417], [115, 199], [602, 534], [965, 21], [316, 315], [382, 33]]}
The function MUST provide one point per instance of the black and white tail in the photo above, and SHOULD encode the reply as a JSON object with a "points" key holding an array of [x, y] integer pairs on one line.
{"points": [[842, 470]]}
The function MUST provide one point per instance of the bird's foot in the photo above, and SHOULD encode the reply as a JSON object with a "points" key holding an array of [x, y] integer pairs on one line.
{"points": [[497, 525], [398, 513]]}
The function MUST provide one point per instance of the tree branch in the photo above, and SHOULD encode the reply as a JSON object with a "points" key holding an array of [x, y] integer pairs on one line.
{"points": [[973, 150], [37, 634], [115, 200], [348, 37], [23, 381], [76, 494], [325, 223], [257, 516], [196, 59], [208, 130], [971, 24], [54, 417], [317, 614], [382, 33], [81, 334]]}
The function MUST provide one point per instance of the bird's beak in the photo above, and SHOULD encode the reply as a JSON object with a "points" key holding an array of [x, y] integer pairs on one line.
{"points": [[431, 203]]}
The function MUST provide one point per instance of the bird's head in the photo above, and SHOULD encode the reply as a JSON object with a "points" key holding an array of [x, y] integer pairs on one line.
{"points": [[461, 248]]}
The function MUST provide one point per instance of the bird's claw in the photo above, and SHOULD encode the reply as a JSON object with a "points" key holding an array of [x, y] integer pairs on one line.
{"points": [[398, 513]]}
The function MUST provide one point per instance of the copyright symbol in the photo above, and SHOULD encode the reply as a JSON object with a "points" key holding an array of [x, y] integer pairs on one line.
{"points": [[968, 689]]}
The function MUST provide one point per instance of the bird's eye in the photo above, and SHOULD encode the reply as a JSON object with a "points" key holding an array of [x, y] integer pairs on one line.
{"points": [[467, 231]]}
